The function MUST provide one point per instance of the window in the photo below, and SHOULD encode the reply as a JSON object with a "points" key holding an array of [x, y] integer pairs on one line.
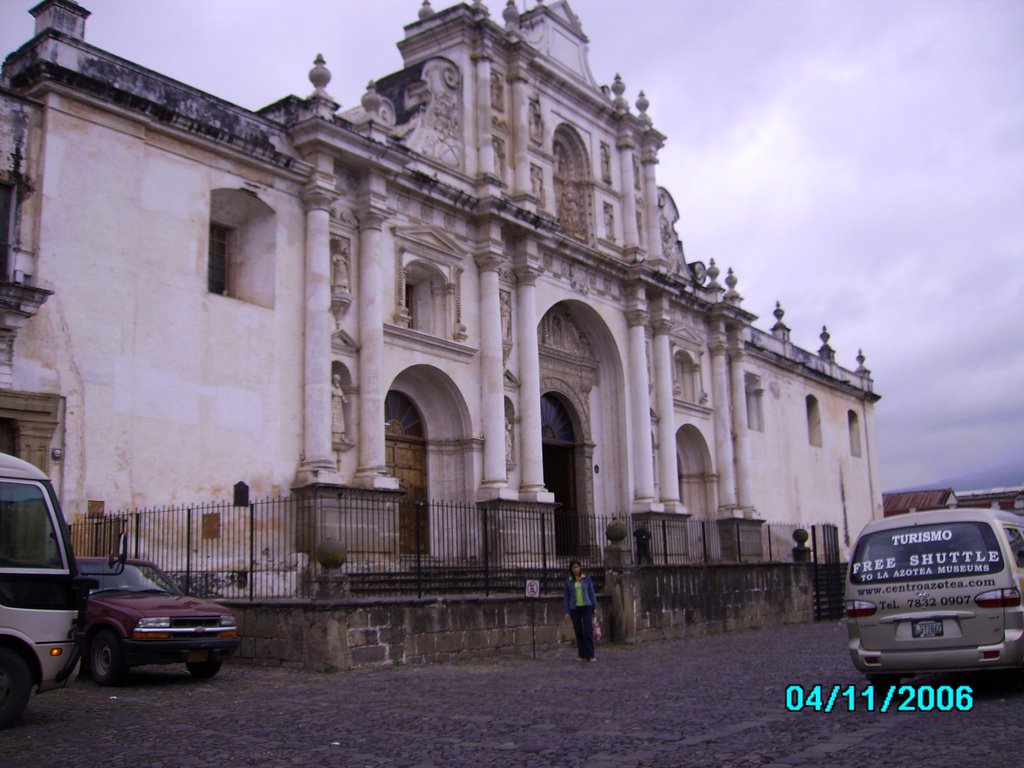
{"points": [[217, 272], [6, 227], [687, 385], [425, 293], [813, 421], [755, 411], [243, 231], [28, 539], [854, 425]]}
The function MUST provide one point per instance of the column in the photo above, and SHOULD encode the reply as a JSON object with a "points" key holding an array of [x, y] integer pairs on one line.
{"points": [[372, 469], [530, 446], [485, 149], [667, 468], [723, 431], [640, 398], [741, 431], [317, 452], [492, 374], [521, 135], [653, 221], [631, 235]]}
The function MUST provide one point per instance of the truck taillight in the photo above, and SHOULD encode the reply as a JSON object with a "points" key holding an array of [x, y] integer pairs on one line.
{"points": [[858, 609], [999, 598]]}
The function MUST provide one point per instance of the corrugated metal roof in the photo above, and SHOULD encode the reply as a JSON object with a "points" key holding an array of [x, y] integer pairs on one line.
{"points": [[905, 501]]}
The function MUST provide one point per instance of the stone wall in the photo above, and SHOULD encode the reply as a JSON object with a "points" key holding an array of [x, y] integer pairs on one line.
{"points": [[638, 605]]}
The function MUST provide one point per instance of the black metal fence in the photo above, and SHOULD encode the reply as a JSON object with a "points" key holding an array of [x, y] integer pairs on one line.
{"points": [[269, 548]]}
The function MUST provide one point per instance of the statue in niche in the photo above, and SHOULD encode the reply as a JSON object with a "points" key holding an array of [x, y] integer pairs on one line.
{"points": [[509, 441], [339, 265], [536, 122], [338, 401], [606, 163], [636, 173], [497, 92], [537, 183], [609, 222], [499, 157], [506, 315]]}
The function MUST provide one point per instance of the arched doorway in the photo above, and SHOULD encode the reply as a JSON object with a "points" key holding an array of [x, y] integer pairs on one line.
{"points": [[559, 445], [696, 481], [405, 450]]}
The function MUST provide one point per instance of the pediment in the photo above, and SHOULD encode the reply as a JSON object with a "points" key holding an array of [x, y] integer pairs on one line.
{"points": [[430, 241], [341, 343]]}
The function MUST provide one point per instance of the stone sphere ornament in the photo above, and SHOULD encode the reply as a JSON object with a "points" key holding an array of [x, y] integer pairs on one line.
{"points": [[616, 530], [330, 553]]}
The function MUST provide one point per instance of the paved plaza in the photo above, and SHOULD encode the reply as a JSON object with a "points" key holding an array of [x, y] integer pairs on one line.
{"points": [[716, 701]]}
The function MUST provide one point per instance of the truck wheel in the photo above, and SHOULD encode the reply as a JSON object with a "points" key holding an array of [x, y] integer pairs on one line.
{"points": [[105, 660], [203, 669], [15, 686]]}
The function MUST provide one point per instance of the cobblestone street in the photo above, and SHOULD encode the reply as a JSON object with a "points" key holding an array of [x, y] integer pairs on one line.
{"points": [[716, 701]]}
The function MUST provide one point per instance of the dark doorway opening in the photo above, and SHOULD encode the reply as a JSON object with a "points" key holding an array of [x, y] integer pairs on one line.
{"points": [[558, 439]]}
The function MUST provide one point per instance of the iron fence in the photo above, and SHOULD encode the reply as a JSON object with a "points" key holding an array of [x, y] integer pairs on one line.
{"points": [[268, 549]]}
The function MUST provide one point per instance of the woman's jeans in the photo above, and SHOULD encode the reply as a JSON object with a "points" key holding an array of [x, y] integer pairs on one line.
{"points": [[583, 624]]}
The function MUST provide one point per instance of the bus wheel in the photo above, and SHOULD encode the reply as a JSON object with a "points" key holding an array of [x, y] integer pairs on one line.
{"points": [[105, 660], [15, 686]]}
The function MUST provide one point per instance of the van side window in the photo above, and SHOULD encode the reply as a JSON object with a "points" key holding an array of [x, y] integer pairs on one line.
{"points": [[27, 537], [1016, 538]]}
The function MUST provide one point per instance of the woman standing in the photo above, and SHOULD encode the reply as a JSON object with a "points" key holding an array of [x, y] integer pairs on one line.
{"points": [[580, 604]]}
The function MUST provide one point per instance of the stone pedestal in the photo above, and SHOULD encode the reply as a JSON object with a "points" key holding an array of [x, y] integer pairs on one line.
{"points": [[332, 586]]}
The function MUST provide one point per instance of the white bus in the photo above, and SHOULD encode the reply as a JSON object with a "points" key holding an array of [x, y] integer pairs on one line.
{"points": [[40, 594]]}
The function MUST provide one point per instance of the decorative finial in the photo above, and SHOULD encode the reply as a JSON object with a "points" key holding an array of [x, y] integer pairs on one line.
{"points": [[780, 330], [619, 88], [479, 9], [642, 104], [511, 16], [861, 370], [713, 273], [371, 100], [826, 352], [319, 76], [732, 295], [426, 11]]}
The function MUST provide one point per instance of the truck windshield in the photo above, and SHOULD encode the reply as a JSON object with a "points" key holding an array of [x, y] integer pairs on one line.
{"points": [[926, 551]]}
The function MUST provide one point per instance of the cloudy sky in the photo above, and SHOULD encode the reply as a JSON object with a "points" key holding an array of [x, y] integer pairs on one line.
{"points": [[859, 161]]}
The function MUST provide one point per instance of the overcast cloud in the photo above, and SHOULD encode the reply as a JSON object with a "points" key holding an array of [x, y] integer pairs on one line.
{"points": [[859, 161]]}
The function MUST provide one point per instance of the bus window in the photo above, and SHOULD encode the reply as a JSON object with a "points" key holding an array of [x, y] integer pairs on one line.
{"points": [[27, 536]]}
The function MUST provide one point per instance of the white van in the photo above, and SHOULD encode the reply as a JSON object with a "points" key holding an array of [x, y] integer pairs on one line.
{"points": [[936, 591]]}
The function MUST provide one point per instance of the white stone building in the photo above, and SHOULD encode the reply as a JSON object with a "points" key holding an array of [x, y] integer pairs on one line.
{"points": [[469, 286]]}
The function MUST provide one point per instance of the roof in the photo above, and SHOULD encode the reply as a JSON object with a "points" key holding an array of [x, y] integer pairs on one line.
{"points": [[961, 514], [907, 501], [11, 466]]}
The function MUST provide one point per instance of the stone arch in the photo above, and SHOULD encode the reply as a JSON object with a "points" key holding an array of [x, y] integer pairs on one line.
{"points": [[696, 478], [581, 363], [447, 429]]}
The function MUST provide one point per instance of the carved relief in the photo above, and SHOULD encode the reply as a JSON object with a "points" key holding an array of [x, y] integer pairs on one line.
{"points": [[558, 330], [505, 298], [436, 129], [570, 185]]}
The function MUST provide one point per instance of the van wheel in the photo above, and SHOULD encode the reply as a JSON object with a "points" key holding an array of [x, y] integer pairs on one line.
{"points": [[15, 686], [884, 682], [203, 669], [105, 659]]}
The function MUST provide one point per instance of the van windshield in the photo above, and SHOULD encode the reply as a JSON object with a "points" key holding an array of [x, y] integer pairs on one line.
{"points": [[926, 551]]}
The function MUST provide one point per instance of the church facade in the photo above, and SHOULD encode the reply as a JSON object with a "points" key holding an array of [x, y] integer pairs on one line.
{"points": [[467, 286]]}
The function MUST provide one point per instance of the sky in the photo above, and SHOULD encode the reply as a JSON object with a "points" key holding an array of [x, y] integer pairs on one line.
{"points": [[859, 161]]}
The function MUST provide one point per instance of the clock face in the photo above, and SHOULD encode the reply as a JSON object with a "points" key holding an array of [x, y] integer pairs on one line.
{"points": [[699, 272]]}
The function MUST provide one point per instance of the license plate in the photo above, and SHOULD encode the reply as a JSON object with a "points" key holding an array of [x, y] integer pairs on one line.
{"points": [[926, 628], [199, 656]]}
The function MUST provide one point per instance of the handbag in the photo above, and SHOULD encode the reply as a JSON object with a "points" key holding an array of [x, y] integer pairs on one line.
{"points": [[596, 625]]}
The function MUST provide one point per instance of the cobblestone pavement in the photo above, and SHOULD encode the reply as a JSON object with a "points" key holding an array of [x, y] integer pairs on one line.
{"points": [[716, 701]]}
